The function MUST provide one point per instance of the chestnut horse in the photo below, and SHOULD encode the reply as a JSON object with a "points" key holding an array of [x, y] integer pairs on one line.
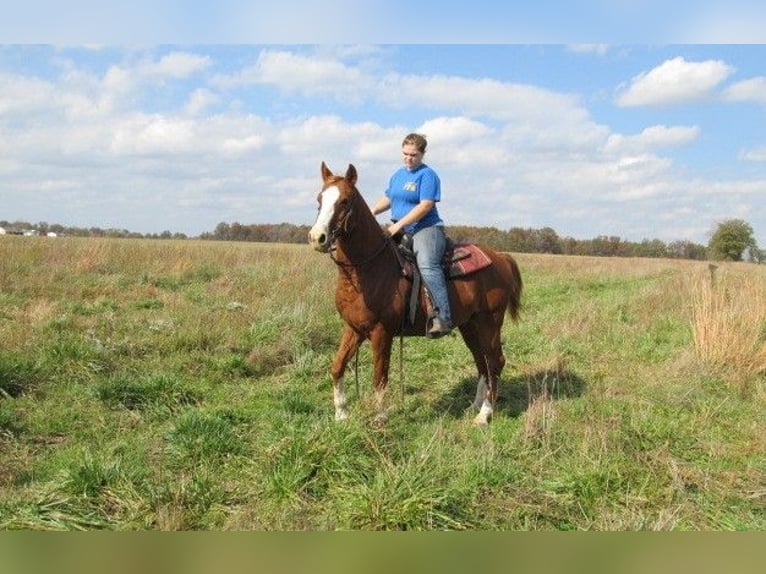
{"points": [[372, 295]]}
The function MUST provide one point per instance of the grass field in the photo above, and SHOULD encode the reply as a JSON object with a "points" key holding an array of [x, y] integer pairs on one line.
{"points": [[176, 385]]}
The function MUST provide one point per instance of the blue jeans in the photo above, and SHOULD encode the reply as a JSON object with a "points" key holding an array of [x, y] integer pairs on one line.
{"points": [[429, 244]]}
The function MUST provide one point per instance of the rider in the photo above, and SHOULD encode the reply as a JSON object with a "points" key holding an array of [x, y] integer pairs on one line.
{"points": [[412, 193]]}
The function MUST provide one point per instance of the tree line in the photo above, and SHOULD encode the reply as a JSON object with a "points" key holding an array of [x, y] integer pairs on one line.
{"points": [[731, 240], [44, 228]]}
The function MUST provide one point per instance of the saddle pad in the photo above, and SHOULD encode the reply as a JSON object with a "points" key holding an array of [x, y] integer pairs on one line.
{"points": [[467, 259]]}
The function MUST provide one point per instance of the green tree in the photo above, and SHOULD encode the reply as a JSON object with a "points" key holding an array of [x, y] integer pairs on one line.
{"points": [[731, 239], [686, 250], [547, 241]]}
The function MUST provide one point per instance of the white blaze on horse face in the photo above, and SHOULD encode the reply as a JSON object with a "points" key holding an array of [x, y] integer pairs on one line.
{"points": [[320, 233]]}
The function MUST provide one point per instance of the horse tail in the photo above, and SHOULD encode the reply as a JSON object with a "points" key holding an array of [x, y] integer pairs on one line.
{"points": [[515, 287]]}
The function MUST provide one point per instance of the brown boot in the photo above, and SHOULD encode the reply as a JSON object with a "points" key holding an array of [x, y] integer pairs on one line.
{"points": [[438, 328]]}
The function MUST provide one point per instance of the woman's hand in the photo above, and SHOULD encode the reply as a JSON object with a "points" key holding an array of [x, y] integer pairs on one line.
{"points": [[394, 228]]}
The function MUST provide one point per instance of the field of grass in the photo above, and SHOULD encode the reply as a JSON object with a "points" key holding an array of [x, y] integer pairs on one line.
{"points": [[177, 385]]}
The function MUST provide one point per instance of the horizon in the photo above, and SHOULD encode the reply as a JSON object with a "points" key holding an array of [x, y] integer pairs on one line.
{"points": [[58, 229]]}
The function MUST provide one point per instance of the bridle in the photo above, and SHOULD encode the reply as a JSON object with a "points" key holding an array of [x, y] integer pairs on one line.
{"points": [[343, 228]]}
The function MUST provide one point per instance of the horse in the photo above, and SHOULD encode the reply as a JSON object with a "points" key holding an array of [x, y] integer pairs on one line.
{"points": [[372, 292]]}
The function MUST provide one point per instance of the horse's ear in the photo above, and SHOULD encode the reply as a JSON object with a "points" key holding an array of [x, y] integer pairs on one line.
{"points": [[351, 174], [326, 173]]}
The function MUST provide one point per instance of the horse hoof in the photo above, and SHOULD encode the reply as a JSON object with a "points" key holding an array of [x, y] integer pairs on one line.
{"points": [[341, 416], [380, 419]]}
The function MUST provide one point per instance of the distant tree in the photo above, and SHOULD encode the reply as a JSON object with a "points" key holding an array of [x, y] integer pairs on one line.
{"points": [[686, 250], [650, 248], [731, 239], [520, 240], [221, 231], [547, 241], [611, 246], [570, 246], [756, 255]]}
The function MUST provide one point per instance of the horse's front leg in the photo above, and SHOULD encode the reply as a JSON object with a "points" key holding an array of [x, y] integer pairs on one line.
{"points": [[349, 345], [381, 341]]}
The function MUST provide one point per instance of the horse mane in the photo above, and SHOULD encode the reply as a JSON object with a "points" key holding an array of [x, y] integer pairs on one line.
{"points": [[359, 204]]}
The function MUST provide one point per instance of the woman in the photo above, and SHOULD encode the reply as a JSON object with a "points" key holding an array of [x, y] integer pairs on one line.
{"points": [[412, 193]]}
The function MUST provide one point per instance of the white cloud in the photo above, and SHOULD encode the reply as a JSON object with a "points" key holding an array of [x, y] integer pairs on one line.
{"points": [[200, 100], [292, 72], [321, 74], [479, 97], [22, 95], [462, 143], [150, 135], [122, 83], [652, 137], [176, 65], [750, 90], [736, 187], [459, 130], [674, 81], [755, 154]]}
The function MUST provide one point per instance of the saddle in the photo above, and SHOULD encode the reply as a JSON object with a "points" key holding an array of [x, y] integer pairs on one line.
{"points": [[460, 259]]}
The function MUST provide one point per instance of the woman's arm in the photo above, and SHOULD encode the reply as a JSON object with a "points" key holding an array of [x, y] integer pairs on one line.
{"points": [[383, 204], [415, 214]]}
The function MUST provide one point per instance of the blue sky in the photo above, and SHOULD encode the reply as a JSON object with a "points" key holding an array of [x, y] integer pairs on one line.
{"points": [[377, 21], [639, 140]]}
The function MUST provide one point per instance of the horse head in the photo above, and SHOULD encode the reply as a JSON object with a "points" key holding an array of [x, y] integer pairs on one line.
{"points": [[335, 208]]}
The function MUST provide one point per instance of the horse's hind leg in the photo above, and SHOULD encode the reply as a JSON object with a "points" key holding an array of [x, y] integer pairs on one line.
{"points": [[481, 392], [487, 405], [495, 361], [483, 340], [349, 345], [471, 339]]}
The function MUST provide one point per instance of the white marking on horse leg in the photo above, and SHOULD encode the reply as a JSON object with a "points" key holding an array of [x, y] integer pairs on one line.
{"points": [[380, 406], [481, 393], [339, 400], [482, 419]]}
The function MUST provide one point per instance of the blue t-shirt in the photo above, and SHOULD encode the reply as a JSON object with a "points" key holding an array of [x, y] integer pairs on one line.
{"points": [[407, 188]]}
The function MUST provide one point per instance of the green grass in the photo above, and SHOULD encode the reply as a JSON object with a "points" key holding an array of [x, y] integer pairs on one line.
{"points": [[185, 385]]}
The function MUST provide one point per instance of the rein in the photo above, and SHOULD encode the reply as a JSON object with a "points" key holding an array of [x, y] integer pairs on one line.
{"points": [[342, 229], [364, 263]]}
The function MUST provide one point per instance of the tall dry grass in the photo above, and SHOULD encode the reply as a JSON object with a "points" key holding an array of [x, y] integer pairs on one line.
{"points": [[729, 320]]}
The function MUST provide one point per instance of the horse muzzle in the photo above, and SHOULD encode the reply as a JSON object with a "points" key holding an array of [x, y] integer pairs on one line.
{"points": [[319, 240]]}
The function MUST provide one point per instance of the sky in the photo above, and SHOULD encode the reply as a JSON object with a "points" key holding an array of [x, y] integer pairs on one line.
{"points": [[582, 132]]}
